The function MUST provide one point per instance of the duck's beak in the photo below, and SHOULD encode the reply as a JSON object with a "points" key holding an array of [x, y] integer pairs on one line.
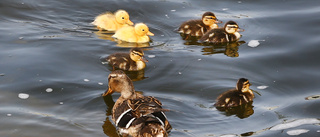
{"points": [[109, 92], [150, 33], [218, 21], [144, 59], [129, 22], [240, 30]]}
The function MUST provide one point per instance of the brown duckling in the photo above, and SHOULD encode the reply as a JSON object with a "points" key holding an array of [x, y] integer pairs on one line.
{"points": [[235, 97], [133, 61], [112, 22], [199, 27], [134, 114], [221, 35]]}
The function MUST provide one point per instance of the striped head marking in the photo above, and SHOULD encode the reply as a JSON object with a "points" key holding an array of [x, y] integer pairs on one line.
{"points": [[243, 85], [209, 19], [136, 54], [231, 27]]}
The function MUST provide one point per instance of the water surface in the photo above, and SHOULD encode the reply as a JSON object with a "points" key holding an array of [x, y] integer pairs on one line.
{"points": [[51, 44]]}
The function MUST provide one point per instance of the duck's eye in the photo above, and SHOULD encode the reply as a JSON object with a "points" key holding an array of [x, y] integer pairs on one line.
{"points": [[142, 29], [123, 18]]}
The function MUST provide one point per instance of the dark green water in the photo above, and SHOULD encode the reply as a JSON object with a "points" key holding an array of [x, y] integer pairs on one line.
{"points": [[51, 44]]}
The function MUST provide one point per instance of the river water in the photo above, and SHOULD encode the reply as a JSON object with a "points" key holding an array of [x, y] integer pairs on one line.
{"points": [[52, 76]]}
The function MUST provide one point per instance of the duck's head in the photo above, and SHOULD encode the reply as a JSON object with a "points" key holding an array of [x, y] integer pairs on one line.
{"points": [[232, 27], [142, 30], [118, 81], [136, 54], [243, 85], [122, 17], [209, 19]]}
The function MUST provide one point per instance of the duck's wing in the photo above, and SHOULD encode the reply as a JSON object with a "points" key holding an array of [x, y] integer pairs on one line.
{"points": [[215, 36], [145, 114], [119, 60], [193, 28]]}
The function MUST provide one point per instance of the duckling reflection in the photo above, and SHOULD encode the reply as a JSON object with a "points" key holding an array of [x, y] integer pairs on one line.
{"points": [[229, 49], [242, 111]]}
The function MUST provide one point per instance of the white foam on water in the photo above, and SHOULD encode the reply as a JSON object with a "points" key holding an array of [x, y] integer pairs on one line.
{"points": [[86, 80], [297, 132], [151, 56], [49, 90], [262, 87], [254, 43], [296, 123], [9, 115], [23, 95], [100, 83], [228, 135]]}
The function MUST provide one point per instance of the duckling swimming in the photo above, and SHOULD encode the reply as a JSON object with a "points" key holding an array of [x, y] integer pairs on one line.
{"points": [[199, 27], [235, 97], [138, 34], [134, 114], [133, 61], [112, 22], [221, 35]]}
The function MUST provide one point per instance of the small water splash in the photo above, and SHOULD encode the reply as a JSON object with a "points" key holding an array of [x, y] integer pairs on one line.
{"points": [[254, 43], [49, 90], [262, 87], [23, 95]]}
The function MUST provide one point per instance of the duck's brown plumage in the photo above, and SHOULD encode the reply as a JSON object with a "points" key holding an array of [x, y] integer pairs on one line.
{"points": [[220, 35], [136, 115], [198, 27], [235, 97], [124, 61]]}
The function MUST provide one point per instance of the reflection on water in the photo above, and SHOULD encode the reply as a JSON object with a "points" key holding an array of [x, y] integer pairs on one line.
{"points": [[229, 49], [242, 111], [109, 129]]}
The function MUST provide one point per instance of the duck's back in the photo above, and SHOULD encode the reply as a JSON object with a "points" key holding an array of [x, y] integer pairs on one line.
{"points": [[126, 33], [231, 98], [193, 28], [215, 36], [121, 61], [144, 116], [105, 21]]}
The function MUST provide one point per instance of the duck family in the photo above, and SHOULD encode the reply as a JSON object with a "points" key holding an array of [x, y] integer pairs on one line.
{"points": [[143, 116]]}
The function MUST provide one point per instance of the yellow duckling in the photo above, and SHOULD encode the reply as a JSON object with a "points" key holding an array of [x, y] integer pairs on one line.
{"points": [[134, 114], [229, 33], [236, 97], [112, 22], [133, 61], [138, 34], [199, 27]]}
